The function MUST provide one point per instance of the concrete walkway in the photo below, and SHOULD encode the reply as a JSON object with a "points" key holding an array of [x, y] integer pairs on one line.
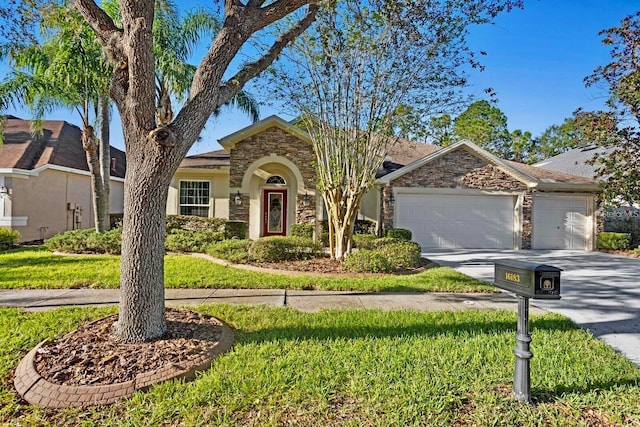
{"points": [[308, 301], [600, 292]]}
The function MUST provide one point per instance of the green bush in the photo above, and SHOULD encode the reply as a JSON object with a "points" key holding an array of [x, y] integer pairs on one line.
{"points": [[191, 241], [324, 233], [364, 241], [194, 223], [367, 261], [399, 233], [384, 241], [402, 254], [279, 248], [302, 230], [87, 241], [233, 250], [235, 230], [8, 238], [614, 241]]}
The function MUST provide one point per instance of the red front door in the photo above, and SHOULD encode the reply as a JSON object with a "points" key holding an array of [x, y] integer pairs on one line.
{"points": [[274, 213]]}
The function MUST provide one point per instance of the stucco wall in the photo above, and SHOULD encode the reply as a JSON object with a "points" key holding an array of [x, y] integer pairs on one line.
{"points": [[219, 200]]}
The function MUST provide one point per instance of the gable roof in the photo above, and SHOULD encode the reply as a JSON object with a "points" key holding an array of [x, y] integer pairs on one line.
{"points": [[530, 176], [229, 141], [574, 161], [59, 144], [209, 160]]}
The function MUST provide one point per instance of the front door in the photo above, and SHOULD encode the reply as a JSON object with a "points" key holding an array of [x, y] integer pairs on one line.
{"points": [[274, 212]]}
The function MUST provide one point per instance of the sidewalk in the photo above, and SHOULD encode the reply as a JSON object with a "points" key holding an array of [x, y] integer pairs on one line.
{"points": [[309, 301]]}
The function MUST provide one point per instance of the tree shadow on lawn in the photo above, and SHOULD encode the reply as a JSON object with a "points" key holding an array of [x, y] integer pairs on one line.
{"points": [[424, 328]]}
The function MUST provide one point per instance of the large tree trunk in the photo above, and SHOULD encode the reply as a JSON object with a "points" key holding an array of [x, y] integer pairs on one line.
{"points": [[103, 222], [141, 314]]}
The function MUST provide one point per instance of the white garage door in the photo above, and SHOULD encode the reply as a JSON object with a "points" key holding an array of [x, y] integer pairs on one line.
{"points": [[439, 221], [560, 223]]}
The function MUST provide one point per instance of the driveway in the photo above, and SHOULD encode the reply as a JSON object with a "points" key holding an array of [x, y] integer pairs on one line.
{"points": [[600, 292]]}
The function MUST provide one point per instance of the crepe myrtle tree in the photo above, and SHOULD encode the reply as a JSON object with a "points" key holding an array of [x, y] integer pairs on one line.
{"points": [[352, 78], [156, 140]]}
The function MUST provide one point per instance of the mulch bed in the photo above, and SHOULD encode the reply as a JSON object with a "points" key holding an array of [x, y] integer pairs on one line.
{"points": [[88, 355]]}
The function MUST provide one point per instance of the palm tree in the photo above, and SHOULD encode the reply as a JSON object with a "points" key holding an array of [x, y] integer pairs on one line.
{"points": [[66, 70]]}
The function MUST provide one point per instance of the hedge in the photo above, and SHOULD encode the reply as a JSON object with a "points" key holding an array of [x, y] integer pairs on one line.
{"points": [[614, 241], [399, 233], [302, 230], [367, 261], [233, 250], [235, 230], [8, 238], [280, 248]]}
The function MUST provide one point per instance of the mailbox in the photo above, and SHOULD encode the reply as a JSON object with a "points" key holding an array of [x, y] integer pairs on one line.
{"points": [[530, 280]]}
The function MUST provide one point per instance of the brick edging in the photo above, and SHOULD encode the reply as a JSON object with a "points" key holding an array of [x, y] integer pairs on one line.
{"points": [[33, 388]]}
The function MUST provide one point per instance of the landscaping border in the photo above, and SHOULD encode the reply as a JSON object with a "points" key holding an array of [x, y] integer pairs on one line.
{"points": [[33, 388]]}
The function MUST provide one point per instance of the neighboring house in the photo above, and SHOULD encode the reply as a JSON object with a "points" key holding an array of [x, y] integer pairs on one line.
{"points": [[460, 196], [45, 185]]}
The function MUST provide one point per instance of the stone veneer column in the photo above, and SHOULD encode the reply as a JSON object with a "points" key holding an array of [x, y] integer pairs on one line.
{"points": [[527, 226], [239, 212], [387, 209]]}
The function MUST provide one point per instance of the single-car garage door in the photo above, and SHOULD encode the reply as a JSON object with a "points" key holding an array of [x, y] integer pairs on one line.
{"points": [[448, 221], [560, 223]]}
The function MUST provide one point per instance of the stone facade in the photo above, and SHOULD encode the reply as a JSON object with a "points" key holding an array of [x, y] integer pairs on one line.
{"points": [[272, 142], [239, 212], [459, 169]]}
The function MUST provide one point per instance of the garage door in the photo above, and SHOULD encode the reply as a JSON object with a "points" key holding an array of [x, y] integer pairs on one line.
{"points": [[438, 221], [559, 223]]}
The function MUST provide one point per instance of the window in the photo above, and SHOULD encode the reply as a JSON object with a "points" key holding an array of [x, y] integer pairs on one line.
{"points": [[275, 179], [194, 198]]}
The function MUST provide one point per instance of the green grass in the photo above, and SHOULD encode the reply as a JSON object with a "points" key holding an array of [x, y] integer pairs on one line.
{"points": [[357, 367], [41, 269]]}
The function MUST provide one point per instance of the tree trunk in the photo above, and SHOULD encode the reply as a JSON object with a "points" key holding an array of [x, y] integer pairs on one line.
{"points": [[103, 222], [141, 315], [97, 188]]}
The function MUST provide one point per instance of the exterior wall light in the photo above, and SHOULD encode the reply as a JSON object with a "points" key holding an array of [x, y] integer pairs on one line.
{"points": [[237, 199], [306, 199], [4, 191]]}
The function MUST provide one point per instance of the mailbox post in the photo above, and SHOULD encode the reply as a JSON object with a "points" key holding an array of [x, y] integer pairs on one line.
{"points": [[526, 280]]}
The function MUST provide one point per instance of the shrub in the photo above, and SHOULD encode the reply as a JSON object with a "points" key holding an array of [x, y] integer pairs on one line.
{"points": [[8, 238], [324, 233], [278, 248], [87, 241], [614, 241], [191, 241], [383, 241], [364, 226], [194, 223], [367, 261], [364, 241], [302, 230], [234, 250], [235, 230], [402, 254], [399, 233]]}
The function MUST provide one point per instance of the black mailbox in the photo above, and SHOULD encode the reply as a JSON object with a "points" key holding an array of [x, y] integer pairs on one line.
{"points": [[527, 279]]}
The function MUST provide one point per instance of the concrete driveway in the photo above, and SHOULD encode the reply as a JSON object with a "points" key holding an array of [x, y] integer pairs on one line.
{"points": [[600, 292]]}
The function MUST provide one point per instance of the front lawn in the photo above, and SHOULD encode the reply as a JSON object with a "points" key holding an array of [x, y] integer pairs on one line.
{"points": [[41, 269], [355, 368]]}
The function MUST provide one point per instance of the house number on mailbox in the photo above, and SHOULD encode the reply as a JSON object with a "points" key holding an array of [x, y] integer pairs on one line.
{"points": [[512, 277]]}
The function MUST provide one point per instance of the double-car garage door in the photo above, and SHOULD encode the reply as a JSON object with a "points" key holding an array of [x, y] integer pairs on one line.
{"points": [[489, 221], [453, 221]]}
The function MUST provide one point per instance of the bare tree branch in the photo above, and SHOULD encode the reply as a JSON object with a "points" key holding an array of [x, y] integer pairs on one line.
{"points": [[249, 71], [97, 19]]}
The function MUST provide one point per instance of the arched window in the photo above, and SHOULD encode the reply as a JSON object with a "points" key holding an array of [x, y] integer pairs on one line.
{"points": [[275, 179]]}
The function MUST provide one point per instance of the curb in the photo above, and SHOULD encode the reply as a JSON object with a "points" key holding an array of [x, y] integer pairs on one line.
{"points": [[33, 388]]}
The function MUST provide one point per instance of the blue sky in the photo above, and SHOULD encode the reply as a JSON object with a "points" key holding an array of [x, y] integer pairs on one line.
{"points": [[536, 61]]}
